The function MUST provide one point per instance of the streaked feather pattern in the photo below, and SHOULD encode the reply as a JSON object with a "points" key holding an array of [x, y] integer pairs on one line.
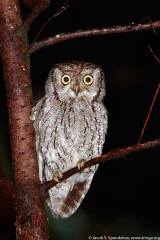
{"points": [[70, 127]]}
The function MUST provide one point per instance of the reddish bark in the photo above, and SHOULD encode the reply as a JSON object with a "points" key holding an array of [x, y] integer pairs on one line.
{"points": [[31, 221]]}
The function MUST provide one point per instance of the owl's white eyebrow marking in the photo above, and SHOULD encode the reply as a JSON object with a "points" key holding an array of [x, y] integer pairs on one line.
{"points": [[67, 70]]}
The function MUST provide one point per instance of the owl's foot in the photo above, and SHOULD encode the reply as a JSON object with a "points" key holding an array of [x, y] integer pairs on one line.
{"points": [[58, 176], [80, 164], [58, 185], [86, 170]]}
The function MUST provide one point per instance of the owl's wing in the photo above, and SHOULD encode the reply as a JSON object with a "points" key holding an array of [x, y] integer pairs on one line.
{"points": [[36, 116], [36, 110], [65, 200]]}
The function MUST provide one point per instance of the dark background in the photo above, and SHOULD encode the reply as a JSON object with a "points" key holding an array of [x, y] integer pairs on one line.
{"points": [[124, 196]]}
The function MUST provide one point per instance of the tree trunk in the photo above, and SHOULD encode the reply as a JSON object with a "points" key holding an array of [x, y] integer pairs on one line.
{"points": [[31, 220]]}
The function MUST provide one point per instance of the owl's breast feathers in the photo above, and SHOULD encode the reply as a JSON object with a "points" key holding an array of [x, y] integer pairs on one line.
{"points": [[67, 132]]}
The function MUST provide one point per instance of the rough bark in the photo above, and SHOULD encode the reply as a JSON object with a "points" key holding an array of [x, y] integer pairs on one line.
{"points": [[31, 221]]}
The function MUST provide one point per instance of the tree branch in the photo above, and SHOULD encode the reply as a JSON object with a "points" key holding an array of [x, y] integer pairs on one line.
{"points": [[39, 7], [106, 157], [92, 32]]}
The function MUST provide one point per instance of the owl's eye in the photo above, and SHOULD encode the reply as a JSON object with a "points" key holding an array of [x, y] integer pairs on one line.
{"points": [[66, 79], [88, 80]]}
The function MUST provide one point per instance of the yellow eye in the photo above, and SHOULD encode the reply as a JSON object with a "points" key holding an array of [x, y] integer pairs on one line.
{"points": [[88, 80], [66, 79]]}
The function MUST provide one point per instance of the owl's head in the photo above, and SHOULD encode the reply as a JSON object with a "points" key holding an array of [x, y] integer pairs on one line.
{"points": [[76, 81]]}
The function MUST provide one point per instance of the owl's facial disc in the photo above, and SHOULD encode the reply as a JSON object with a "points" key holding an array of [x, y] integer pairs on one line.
{"points": [[77, 83]]}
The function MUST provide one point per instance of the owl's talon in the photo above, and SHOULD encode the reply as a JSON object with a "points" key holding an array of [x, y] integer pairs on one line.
{"points": [[58, 176], [86, 170], [58, 185], [81, 163]]}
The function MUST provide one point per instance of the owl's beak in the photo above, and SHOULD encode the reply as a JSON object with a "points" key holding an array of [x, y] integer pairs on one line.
{"points": [[76, 89]]}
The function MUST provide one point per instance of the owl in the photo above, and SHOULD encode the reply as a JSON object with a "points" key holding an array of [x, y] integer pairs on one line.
{"points": [[70, 124]]}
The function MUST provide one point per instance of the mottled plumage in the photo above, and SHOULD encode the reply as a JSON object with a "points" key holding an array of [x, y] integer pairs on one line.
{"points": [[70, 124]]}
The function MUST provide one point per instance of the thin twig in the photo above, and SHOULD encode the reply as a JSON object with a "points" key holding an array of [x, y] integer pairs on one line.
{"points": [[154, 54], [152, 103], [63, 8], [106, 157], [149, 113], [152, 26], [148, 17], [92, 32]]}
